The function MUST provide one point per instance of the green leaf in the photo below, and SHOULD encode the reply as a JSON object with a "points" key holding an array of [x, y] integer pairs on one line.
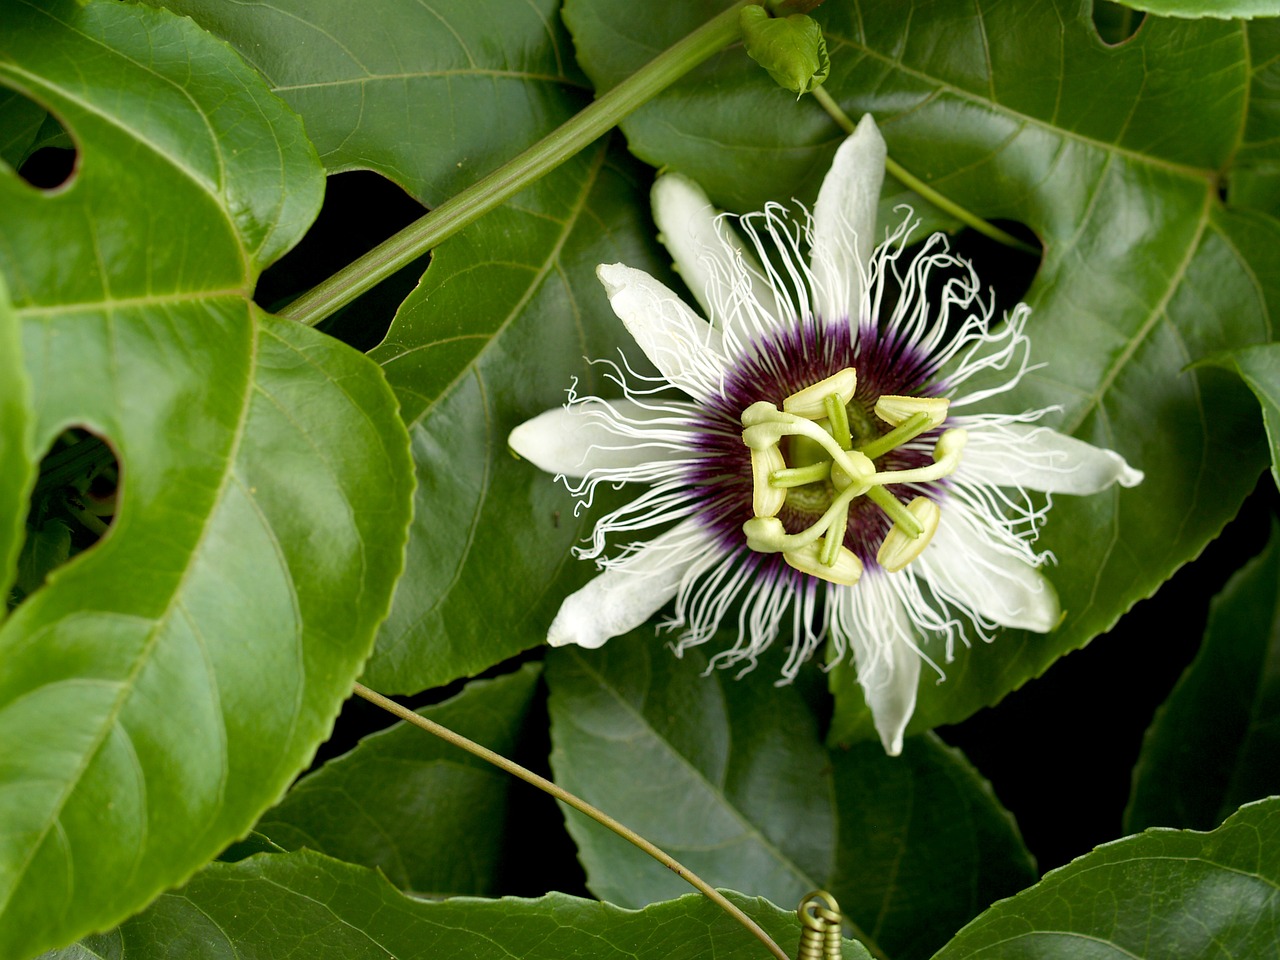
{"points": [[495, 333], [428, 815], [46, 548], [729, 776], [1144, 269], [1213, 744], [16, 416], [488, 559], [1222, 9], [305, 904], [1165, 893], [165, 686], [20, 120], [1254, 177], [433, 96], [1259, 368]]}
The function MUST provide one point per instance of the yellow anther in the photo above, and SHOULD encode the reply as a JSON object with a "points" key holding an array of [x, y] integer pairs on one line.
{"points": [[811, 402], [900, 547], [766, 499], [846, 570], [895, 410]]}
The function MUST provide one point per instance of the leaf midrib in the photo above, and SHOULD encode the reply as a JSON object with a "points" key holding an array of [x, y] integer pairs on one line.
{"points": [[696, 774], [943, 86]]}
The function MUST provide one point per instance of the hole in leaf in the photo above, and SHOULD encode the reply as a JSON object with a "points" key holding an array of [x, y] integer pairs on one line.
{"points": [[1005, 270], [1115, 23], [72, 508], [34, 143], [361, 209]]}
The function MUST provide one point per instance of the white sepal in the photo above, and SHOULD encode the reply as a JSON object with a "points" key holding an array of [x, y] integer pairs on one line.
{"points": [[628, 592], [967, 565], [595, 435], [687, 350], [1038, 458], [888, 662], [714, 262], [844, 224]]}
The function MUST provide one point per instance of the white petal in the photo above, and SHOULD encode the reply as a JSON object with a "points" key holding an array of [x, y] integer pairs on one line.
{"points": [[686, 349], [629, 592], [597, 435], [1037, 458], [888, 665], [967, 564], [708, 254], [844, 223]]}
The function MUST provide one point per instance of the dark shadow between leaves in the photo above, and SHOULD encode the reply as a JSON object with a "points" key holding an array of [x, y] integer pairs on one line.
{"points": [[35, 143], [1115, 23], [361, 210], [72, 507], [1006, 271]]}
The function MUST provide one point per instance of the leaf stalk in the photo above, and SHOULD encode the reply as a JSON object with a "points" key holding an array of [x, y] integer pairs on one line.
{"points": [[564, 796], [540, 159], [912, 182]]}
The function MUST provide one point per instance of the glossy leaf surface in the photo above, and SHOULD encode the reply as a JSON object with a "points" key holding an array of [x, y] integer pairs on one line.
{"points": [[1259, 368], [307, 904], [496, 333], [1144, 270], [1222, 9], [432, 96], [428, 815], [164, 688], [730, 777], [1213, 745], [15, 448], [1165, 893]]}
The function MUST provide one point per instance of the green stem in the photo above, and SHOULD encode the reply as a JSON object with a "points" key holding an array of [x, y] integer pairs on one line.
{"points": [[528, 776], [540, 159], [912, 182]]}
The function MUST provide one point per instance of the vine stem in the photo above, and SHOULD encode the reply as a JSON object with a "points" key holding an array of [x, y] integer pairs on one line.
{"points": [[912, 182], [540, 159], [542, 783]]}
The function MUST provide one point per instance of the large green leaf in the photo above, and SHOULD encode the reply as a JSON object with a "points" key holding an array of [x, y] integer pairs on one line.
{"points": [[15, 445], [495, 333], [1259, 368], [20, 120], [305, 904], [499, 327], [1223, 9], [433, 96], [164, 687], [1254, 177], [730, 777], [1163, 895], [428, 815], [1213, 745], [1112, 155]]}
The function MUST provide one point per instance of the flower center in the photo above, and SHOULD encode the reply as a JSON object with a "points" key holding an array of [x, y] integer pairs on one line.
{"points": [[829, 462]]}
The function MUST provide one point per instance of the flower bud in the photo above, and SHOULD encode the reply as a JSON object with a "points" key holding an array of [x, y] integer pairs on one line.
{"points": [[790, 48]]}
